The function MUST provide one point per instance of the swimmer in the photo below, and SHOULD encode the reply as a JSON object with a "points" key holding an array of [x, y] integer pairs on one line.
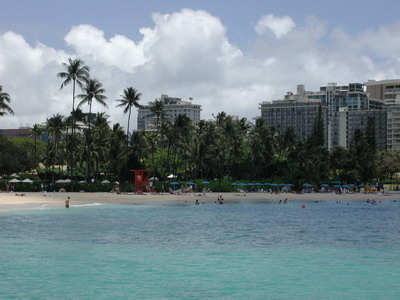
{"points": [[280, 202], [67, 202], [197, 202], [285, 201]]}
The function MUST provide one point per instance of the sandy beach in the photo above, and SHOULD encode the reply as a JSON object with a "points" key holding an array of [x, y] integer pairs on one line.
{"points": [[13, 201]]}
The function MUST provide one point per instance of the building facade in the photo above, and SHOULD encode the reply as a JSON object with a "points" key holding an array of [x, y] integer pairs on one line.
{"points": [[344, 123], [173, 107], [388, 93], [345, 109], [299, 115]]}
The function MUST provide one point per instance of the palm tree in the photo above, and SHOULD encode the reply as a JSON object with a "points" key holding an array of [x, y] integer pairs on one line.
{"points": [[129, 98], [156, 107], [75, 71], [55, 128], [35, 132], [4, 107], [92, 90]]}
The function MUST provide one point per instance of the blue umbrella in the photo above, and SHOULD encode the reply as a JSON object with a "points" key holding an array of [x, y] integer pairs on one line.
{"points": [[336, 185], [174, 183], [234, 184], [282, 184], [289, 184], [205, 182], [325, 185], [190, 183], [361, 185], [242, 184], [308, 185]]}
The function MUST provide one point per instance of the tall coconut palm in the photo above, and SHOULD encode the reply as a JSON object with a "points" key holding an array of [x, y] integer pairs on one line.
{"points": [[156, 108], [93, 89], [75, 72], [130, 98], [35, 132], [55, 128], [4, 107]]}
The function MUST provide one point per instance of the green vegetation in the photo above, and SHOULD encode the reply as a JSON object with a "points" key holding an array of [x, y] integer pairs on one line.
{"points": [[223, 150]]}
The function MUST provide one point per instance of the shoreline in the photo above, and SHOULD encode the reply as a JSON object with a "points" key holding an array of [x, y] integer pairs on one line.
{"points": [[37, 200]]}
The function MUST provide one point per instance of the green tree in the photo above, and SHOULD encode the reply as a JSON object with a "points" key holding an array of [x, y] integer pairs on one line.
{"points": [[157, 109], [55, 128], [5, 99], [93, 90], [130, 98], [36, 131], [76, 72], [13, 158]]}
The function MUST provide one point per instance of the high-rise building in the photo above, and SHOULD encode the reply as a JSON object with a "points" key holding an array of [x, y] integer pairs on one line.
{"points": [[297, 114], [345, 122], [388, 92], [345, 109], [172, 108]]}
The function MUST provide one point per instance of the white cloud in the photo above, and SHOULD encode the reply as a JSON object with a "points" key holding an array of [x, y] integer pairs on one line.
{"points": [[187, 54], [280, 26]]}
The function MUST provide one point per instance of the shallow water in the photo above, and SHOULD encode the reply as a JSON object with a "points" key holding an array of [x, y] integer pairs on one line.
{"points": [[171, 251]]}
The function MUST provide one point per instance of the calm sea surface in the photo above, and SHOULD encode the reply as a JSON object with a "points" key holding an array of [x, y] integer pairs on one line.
{"points": [[230, 251]]}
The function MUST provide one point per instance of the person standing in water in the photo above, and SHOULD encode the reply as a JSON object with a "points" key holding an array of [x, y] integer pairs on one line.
{"points": [[67, 202]]}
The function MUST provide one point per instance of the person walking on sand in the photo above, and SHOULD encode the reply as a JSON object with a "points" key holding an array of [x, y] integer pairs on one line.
{"points": [[67, 202]]}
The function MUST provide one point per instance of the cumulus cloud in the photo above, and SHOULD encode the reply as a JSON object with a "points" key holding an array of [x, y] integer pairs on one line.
{"points": [[280, 26], [188, 54]]}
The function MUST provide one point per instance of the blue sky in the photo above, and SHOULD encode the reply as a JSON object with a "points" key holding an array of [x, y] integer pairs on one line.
{"points": [[217, 52], [49, 20]]}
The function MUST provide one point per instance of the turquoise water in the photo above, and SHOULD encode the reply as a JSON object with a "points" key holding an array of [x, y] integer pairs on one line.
{"points": [[230, 251]]}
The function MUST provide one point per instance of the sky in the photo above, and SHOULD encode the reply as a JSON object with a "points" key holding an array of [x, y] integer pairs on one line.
{"points": [[227, 55]]}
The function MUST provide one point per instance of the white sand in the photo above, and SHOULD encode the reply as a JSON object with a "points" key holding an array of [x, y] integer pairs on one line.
{"points": [[9, 201]]}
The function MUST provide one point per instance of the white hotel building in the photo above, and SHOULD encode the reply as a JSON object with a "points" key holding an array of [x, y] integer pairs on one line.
{"points": [[172, 108]]}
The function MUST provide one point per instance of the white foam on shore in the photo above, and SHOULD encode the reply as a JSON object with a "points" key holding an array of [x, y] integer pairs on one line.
{"points": [[88, 204]]}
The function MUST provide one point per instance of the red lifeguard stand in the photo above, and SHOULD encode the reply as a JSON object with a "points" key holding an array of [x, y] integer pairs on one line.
{"points": [[142, 180]]}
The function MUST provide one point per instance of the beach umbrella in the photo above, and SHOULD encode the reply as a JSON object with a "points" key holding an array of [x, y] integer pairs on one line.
{"points": [[14, 175], [325, 185], [174, 183], [105, 181], [67, 180], [307, 185], [361, 185], [207, 182], [234, 184], [190, 183], [273, 184], [153, 179], [282, 184], [27, 180], [171, 176], [60, 181], [14, 180], [82, 181], [290, 184], [337, 186]]}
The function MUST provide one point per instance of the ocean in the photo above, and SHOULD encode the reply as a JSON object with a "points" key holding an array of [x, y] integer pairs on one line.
{"points": [[244, 250]]}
